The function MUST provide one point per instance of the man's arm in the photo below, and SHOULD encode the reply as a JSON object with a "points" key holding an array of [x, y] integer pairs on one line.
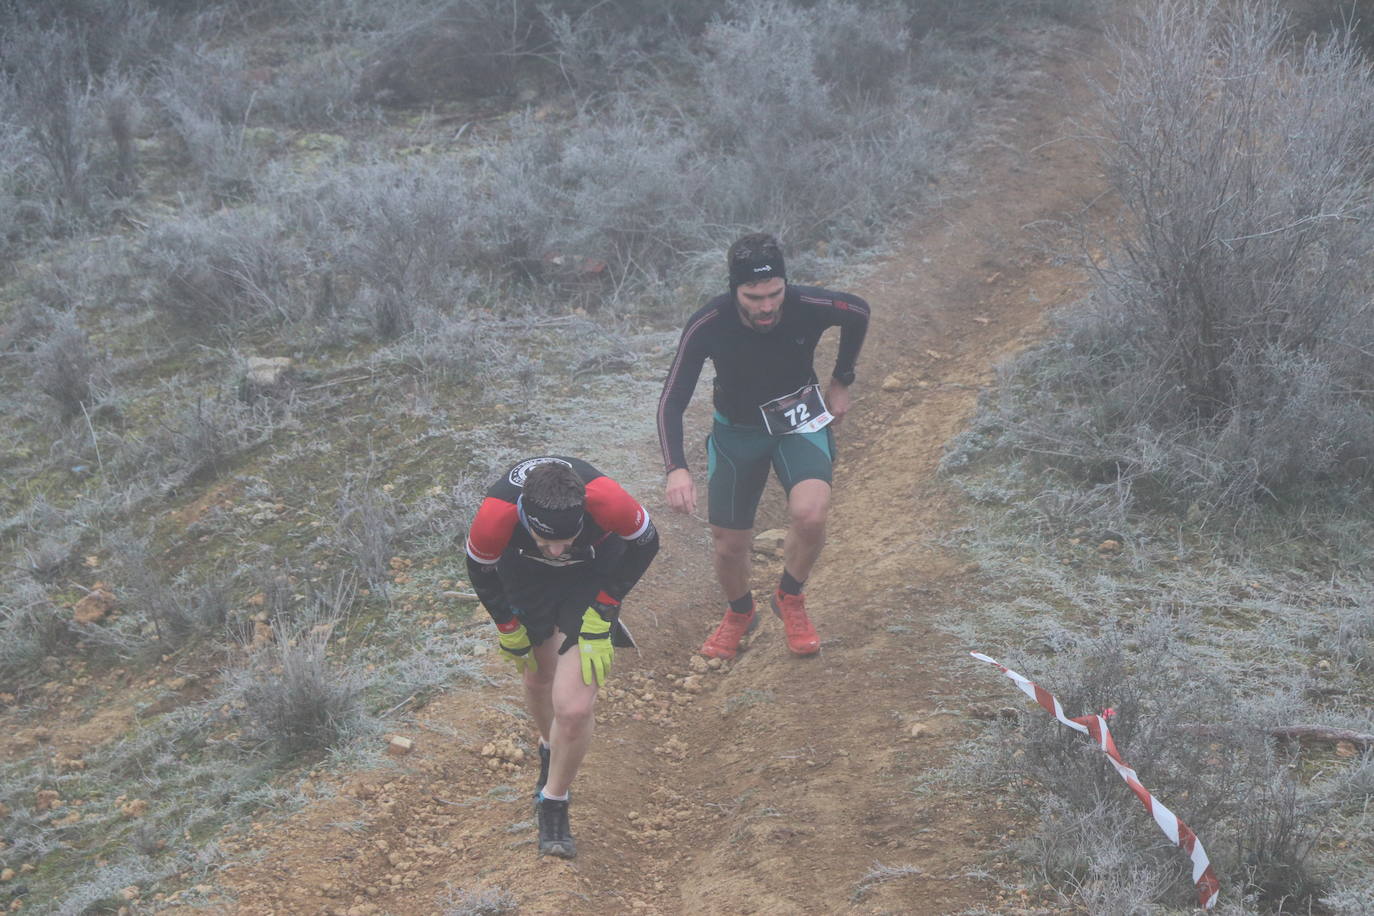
{"points": [[487, 585], [621, 514], [850, 314], [678, 387], [639, 553], [487, 538]]}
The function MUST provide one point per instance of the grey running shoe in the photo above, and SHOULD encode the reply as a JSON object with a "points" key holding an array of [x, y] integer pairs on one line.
{"points": [[555, 836]]}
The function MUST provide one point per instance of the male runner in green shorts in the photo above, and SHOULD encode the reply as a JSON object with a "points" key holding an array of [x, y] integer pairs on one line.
{"points": [[769, 412]]}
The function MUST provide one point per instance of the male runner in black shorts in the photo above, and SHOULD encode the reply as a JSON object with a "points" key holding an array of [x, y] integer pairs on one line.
{"points": [[555, 547], [761, 337]]}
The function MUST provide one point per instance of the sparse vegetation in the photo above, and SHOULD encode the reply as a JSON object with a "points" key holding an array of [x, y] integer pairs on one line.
{"points": [[183, 186], [483, 902], [1235, 307], [1187, 557]]}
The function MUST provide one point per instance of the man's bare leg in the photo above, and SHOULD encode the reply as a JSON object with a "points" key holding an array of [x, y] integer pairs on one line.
{"points": [[731, 556], [539, 686], [807, 505], [573, 705]]}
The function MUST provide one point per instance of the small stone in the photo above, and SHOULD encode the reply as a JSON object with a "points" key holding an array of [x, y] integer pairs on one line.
{"points": [[1110, 545], [135, 808], [95, 606], [399, 746]]}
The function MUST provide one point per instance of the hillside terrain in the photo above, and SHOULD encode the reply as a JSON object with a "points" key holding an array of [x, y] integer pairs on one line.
{"points": [[291, 282], [771, 784]]}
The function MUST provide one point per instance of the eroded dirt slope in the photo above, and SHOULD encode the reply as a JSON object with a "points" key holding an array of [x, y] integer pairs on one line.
{"points": [[773, 785]]}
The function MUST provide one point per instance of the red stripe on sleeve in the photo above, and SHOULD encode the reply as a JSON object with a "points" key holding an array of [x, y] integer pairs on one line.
{"points": [[491, 530], [615, 510]]}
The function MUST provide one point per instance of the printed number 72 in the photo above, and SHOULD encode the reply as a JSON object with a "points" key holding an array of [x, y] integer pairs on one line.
{"points": [[797, 415]]}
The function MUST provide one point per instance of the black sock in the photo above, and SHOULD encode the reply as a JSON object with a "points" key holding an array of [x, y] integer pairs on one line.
{"points": [[787, 585], [744, 604]]}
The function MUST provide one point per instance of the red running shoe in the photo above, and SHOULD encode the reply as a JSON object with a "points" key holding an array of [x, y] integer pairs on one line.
{"points": [[724, 642], [801, 635]]}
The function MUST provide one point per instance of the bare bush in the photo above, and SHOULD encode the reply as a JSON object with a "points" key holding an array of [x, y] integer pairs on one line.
{"points": [[32, 627], [123, 116], [1321, 18], [1261, 823], [67, 370], [198, 440], [611, 176], [176, 609], [819, 124], [48, 536], [367, 529], [53, 87], [464, 48], [297, 697], [114, 36], [19, 212], [219, 151], [458, 349], [397, 242], [58, 69], [229, 268], [1237, 307], [981, 17], [1350, 636], [486, 901]]}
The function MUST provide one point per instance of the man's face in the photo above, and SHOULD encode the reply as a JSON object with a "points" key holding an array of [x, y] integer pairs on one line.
{"points": [[552, 549], [760, 304]]}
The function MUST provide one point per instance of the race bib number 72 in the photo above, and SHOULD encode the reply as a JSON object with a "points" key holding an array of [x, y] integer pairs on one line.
{"points": [[802, 411]]}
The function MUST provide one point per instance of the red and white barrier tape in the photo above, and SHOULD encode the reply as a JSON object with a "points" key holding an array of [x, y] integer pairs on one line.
{"points": [[1208, 887]]}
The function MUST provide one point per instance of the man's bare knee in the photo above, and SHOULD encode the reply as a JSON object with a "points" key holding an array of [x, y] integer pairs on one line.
{"points": [[574, 713]]}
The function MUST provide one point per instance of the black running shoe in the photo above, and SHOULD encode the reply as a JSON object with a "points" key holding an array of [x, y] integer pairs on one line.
{"points": [[555, 836]]}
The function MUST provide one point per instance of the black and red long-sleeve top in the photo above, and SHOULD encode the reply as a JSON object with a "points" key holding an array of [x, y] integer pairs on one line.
{"points": [[499, 544], [754, 367]]}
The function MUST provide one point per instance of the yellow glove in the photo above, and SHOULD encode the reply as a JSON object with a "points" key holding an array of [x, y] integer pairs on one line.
{"points": [[515, 645], [594, 645]]}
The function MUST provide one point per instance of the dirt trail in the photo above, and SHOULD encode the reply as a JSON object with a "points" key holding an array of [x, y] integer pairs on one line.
{"points": [[777, 784]]}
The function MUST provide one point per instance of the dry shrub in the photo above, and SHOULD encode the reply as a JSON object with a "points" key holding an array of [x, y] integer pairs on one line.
{"points": [[67, 369], [1231, 783], [32, 627], [464, 48], [1234, 307], [297, 697], [230, 268]]}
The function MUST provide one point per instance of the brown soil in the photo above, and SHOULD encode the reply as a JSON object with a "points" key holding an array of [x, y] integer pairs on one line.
{"points": [[774, 785]]}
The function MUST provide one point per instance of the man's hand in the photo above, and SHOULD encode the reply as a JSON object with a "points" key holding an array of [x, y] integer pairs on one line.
{"points": [[594, 645], [515, 645], [837, 399], [682, 490]]}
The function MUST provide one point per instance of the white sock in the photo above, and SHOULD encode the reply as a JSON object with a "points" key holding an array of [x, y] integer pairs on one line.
{"points": [[563, 797]]}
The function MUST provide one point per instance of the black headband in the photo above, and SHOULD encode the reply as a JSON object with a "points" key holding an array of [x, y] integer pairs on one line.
{"points": [[754, 268], [551, 524]]}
